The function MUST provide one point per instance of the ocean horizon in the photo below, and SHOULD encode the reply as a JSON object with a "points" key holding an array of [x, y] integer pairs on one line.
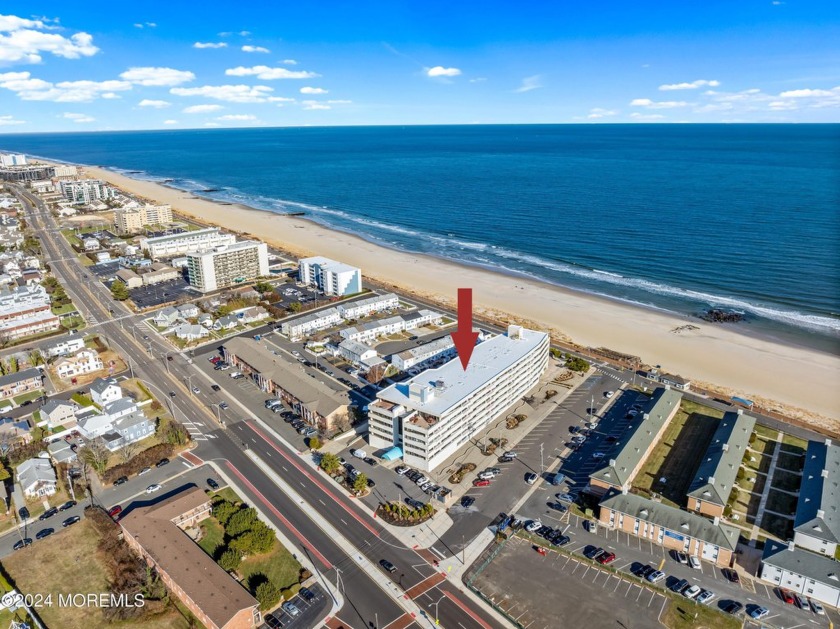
{"points": [[679, 218]]}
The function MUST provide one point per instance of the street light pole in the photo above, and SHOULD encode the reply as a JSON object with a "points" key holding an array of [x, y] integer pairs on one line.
{"points": [[542, 461], [437, 603]]}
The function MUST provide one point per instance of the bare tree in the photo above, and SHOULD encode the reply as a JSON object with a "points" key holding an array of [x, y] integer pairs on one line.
{"points": [[128, 451], [96, 455]]}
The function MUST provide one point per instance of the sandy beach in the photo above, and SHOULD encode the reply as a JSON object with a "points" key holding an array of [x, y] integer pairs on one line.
{"points": [[802, 381]]}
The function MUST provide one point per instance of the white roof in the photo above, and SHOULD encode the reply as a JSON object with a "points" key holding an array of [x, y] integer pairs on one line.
{"points": [[489, 359]]}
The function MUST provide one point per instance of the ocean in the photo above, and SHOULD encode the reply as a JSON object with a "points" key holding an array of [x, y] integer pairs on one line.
{"points": [[680, 218]]}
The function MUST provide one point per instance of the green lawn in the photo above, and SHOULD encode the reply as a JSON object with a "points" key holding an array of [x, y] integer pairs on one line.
{"points": [[212, 535], [679, 452], [29, 395], [780, 502], [794, 444], [684, 614], [759, 448], [63, 310], [766, 433]]}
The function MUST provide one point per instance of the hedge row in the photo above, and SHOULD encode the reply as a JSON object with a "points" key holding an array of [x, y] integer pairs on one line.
{"points": [[146, 458]]}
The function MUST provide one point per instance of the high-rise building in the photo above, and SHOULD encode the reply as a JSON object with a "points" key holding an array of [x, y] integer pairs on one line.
{"points": [[433, 414], [11, 159], [132, 220], [227, 265], [334, 278], [85, 191], [186, 242]]}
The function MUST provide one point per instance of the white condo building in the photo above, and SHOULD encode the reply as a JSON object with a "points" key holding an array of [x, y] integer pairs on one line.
{"points": [[433, 414], [186, 242], [132, 220], [420, 356], [366, 307], [11, 159], [86, 191], [334, 278], [304, 326], [227, 265]]}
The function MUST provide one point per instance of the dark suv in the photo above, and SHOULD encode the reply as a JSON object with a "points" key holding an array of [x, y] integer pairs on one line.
{"points": [[387, 565]]}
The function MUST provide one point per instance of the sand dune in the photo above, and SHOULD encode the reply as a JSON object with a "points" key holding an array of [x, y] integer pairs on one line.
{"points": [[756, 368]]}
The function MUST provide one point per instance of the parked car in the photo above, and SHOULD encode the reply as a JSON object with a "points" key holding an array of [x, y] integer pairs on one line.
{"points": [[787, 596], [565, 497], [594, 553], [681, 557], [533, 526], [71, 520], [307, 594], [401, 470], [387, 566], [485, 475], [121, 480], [145, 470], [153, 488], [656, 576], [162, 462], [290, 609], [556, 506], [370, 461], [816, 607], [680, 586], [359, 454], [22, 543], [115, 511], [558, 479], [67, 505], [481, 482], [759, 612], [705, 596], [733, 607], [467, 501], [694, 562], [510, 454], [608, 558], [691, 591], [48, 514], [44, 533], [531, 478], [731, 575], [212, 484]]}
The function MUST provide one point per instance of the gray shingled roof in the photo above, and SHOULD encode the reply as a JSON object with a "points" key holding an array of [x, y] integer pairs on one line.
{"points": [[101, 384], [818, 509], [810, 565], [288, 375], [716, 474], [20, 376], [633, 445], [673, 519]]}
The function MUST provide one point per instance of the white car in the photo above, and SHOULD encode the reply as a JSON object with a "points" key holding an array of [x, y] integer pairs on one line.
{"points": [[196, 390], [152, 488], [656, 577], [691, 592], [565, 497], [598, 455], [816, 607], [694, 562], [533, 525], [401, 470], [359, 454], [609, 394], [235, 374], [420, 481]]}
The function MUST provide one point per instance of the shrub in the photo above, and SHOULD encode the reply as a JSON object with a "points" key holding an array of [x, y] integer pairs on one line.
{"points": [[291, 591], [241, 521], [257, 540], [329, 463], [360, 483], [577, 364], [267, 594], [230, 559], [146, 458], [223, 510], [315, 443]]}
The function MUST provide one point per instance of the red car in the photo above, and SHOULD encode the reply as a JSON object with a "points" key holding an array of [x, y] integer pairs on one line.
{"points": [[481, 482], [215, 359], [115, 511], [787, 597], [606, 558]]}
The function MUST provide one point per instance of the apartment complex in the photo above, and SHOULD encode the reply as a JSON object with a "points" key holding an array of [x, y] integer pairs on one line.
{"points": [[709, 491], [430, 416], [637, 443], [366, 307], [156, 533], [85, 191], [315, 401], [372, 330], [12, 159], [132, 220], [306, 325], [34, 172], [333, 278], [670, 527], [25, 311], [186, 242], [65, 171], [817, 523], [227, 265], [13, 384], [420, 357], [809, 574]]}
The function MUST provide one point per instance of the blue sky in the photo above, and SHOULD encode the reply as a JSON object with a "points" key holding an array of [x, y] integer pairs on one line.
{"points": [[155, 65]]}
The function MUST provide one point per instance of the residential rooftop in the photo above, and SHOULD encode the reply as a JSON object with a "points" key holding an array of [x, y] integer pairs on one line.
{"points": [[182, 235], [435, 391], [822, 569], [818, 508]]}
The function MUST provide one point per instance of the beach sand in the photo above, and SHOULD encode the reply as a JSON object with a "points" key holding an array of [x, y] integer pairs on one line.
{"points": [[803, 382]]}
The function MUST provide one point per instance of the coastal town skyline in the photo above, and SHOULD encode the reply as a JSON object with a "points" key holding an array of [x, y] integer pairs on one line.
{"points": [[130, 69]]}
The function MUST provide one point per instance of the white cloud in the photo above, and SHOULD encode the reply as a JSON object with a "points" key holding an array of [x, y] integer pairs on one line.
{"points": [[170, 121], [201, 109], [208, 44], [144, 24], [229, 93], [439, 71], [314, 105], [529, 83], [23, 40], [339, 102], [478, 79], [689, 86], [806, 93], [267, 73], [28, 88], [156, 104], [10, 120], [289, 62], [646, 117], [279, 99], [157, 76], [650, 104], [78, 117], [782, 105], [236, 117], [598, 112], [247, 48], [110, 96], [313, 90]]}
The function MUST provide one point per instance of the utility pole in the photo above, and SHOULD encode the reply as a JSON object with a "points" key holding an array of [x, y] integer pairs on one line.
{"points": [[542, 461], [70, 484]]}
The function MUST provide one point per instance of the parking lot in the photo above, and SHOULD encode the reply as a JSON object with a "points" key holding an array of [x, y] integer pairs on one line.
{"points": [[288, 293], [308, 611], [543, 592], [151, 296]]}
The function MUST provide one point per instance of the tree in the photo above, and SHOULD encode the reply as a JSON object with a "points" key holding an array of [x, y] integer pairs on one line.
{"points": [[263, 287], [38, 433], [230, 559], [174, 433], [315, 443], [96, 455], [360, 483], [577, 364], [4, 473], [241, 521], [36, 358], [267, 594], [257, 540], [295, 306], [329, 463], [223, 509], [128, 451], [13, 364], [119, 291]]}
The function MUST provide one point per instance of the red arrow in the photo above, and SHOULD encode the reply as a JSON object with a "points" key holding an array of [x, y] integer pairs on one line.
{"points": [[464, 337]]}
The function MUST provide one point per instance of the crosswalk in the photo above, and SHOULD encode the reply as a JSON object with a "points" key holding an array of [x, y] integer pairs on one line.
{"points": [[194, 428]]}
